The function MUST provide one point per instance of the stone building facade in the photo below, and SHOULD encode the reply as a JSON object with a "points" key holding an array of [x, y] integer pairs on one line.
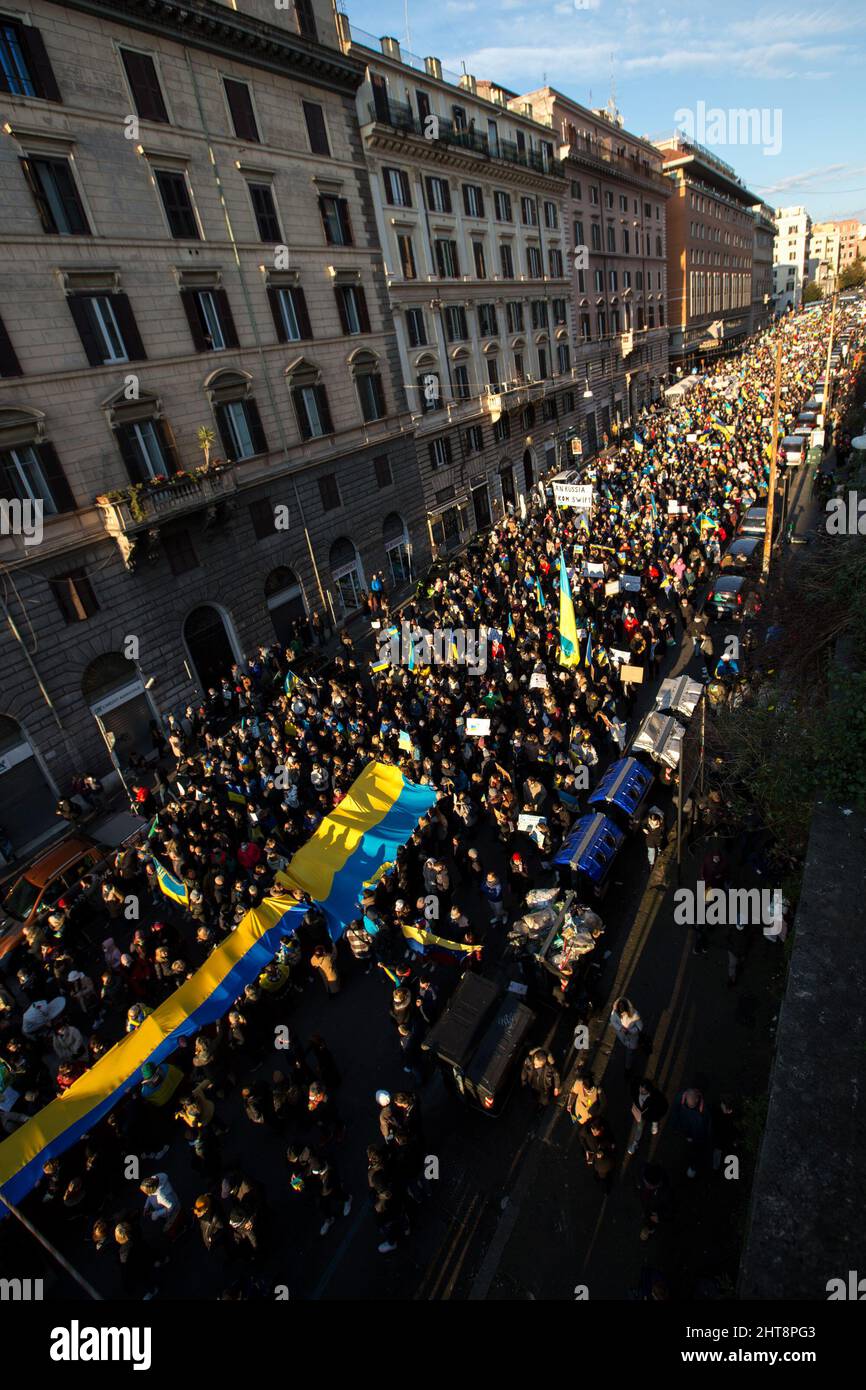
{"points": [[190, 244]]}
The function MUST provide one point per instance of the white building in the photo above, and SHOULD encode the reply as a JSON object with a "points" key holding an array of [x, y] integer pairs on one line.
{"points": [[790, 256]]}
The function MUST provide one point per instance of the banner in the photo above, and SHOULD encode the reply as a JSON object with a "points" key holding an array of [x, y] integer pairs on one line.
{"points": [[377, 815]]}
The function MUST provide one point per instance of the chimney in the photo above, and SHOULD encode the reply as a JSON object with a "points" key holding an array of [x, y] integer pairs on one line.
{"points": [[391, 48], [433, 68], [468, 83]]}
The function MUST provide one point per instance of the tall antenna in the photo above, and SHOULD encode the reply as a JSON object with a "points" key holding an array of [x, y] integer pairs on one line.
{"points": [[406, 18]]}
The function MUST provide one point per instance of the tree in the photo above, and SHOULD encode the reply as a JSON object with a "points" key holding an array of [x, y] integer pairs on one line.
{"points": [[206, 441], [853, 276], [812, 292]]}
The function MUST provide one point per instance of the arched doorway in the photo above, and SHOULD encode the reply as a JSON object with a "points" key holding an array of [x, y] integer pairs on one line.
{"points": [[347, 574], [528, 469], [114, 691], [27, 794], [285, 602], [211, 645]]}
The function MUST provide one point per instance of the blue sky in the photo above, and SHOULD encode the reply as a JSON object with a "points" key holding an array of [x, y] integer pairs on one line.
{"points": [[807, 63]]}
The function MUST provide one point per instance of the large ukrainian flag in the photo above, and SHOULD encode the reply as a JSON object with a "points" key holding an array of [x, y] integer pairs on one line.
{"points": [[378, 814], [569, 651]]}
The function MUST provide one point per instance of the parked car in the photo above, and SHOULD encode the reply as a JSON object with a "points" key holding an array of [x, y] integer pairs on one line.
{"points": [[806, 422], [744, 554], [792, 450], [57, 874], [726, 598], [754, 523]]}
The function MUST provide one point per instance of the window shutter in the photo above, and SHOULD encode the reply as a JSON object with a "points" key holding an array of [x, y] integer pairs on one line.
{"points": [[300, 303], [466, 199], [141, 72], [480, 196], [316, 129], [241, 108], [446, 189], [55, 477], [189, 301], [324, 410], [254, 422], [227, 322], [45, 215], [339, 295], [274, 301], [129, 454], [345, 221], [79, 307], [225, 435], [378, 394], [37, 60], [363, 315], [128, 328], [407, 191], [428, 191], [301, 413], [325, 222], [9, 364], [169, 448]]}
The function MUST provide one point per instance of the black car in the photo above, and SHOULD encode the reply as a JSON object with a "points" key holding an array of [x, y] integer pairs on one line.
{"points": [[726, 597], [744, 555]]}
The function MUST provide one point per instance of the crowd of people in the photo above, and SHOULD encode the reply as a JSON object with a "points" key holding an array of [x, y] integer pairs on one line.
{"points": [[246, 775]]}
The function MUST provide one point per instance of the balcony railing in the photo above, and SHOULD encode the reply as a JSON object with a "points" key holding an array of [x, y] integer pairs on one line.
{"points": [[400, 116], [138, 511]]}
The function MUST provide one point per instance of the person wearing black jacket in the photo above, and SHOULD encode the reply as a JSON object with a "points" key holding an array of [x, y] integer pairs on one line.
{"points": [[648, 1107]]}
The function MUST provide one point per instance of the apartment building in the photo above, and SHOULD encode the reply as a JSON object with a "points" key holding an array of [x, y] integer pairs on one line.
{"points": [[848, 230], [710, 247], [824, 254], [469, 197], [200, 383], [790, 256], [762, 267], [616, 196]]}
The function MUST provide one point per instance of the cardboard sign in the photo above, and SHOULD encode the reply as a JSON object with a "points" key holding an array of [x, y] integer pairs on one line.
{"points": [[538, 681], [632, 674], [527, 822], [592, 570], [691, 439], [629, 583], [477, 728], [673, 506], [611, 587], [618, 655]]}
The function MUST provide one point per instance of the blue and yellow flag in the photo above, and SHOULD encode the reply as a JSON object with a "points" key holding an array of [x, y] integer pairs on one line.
{"points": [[236, 794], [421, 939], [172, 887], [569, 651], [511, 629], [291, 682], [588, 655], [539, 596]]}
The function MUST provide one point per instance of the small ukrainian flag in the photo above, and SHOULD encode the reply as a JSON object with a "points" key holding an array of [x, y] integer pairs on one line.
{"points": [[172, 887], [236, 794], [291, 682]]}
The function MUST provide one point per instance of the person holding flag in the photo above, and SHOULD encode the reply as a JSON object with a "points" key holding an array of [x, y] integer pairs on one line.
{"points": [[569, 652]]}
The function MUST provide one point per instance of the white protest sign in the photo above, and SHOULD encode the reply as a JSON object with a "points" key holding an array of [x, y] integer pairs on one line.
{"points": [[577, 495], [629, 583], [527, 822], [620, 656], [538, 681], [611, 587], [477, 728], [593, 571]]}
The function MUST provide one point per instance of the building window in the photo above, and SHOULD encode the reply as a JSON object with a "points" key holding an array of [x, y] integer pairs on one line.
{"points": [[625, 240], [576, 191], [428, 392], [502, 429], [493, 377], [534, 266], [593, 195], [9, 364], [416, 329], [317, 131], [210, 320], [371, 395], [462, 385], [473, 200], [241, 430], [542, 364], [447, 263], [538, 312], [474, 439], [240, 103], [555, 263], [602, 324], [595, 236], [180, 551], [352, 308], [559, 312], [502, 206], [107, 328], [143, 82], [55, 194], [599, 282], [24, 67], [563, 354], [312, 411], [478, 257], [289, 309], [506, 261], [528, 212], [458, 115], [608, 198], [658, 246], [146, 449], [406, 252], [585, 327], [265, 212], [488, 325], [548, 409], [262, 518], [74, 596], [335, 219], [397, 190], [32, 472], [514, 312], [456, 326], [623, 203], [567, 402], [382, 471], [306, 18], [438, 194], [177, 204], [611, 237], [440, 452], [578, 234], [611, 277], [329, 492], [551, 216]]}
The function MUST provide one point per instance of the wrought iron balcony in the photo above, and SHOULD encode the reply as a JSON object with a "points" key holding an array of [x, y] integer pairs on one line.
{"points": [[133, 515], [399, 116]]}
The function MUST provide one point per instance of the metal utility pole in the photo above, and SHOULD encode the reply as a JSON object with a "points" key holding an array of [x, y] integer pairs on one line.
{"points": [[771, 498], [52, 1250]]}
